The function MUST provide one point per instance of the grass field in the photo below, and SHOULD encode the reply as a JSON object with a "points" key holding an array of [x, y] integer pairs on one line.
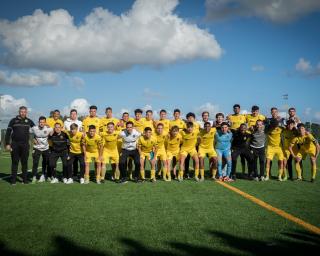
{"points": [[164, 218]]}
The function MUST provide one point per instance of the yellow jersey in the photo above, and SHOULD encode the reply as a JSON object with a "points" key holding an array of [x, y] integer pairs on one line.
{"points": [[251, 120], [305, 143], [189, 140], [148, 123], [207, 138], [288, 136], [147, 145], [196, 127], [104, 122], [92, 144], [75, 142], [51, 122], [236, 121], [161, 139], [179, 122], [173, 144], [110, 140], [138, 125], [166, 125], [124, 123], [274, 137], [91, 121]]}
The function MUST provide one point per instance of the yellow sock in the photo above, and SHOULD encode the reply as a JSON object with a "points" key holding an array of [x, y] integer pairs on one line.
{"points": [[117, 174], [196, 173], [164, 173], [214, 172], [142, 174], [298, 170], [314, 171], [202, 173], [130, 175], [169, 175], [267, 171], [98, 177], [153, 174], [103, 173], [280, 173], [86, 177], [180, 175]]}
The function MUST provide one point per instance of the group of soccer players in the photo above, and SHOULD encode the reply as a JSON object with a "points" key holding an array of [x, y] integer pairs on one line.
{"points": [[131, 142]]}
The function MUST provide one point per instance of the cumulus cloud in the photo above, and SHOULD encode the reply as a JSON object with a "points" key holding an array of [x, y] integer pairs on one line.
{"points": [[317, 116], [150, 94], [148, 34], [277, 11], [211, 108], [76, 81], [81, 105], [257, 68], [305, 68], [28, 79]]}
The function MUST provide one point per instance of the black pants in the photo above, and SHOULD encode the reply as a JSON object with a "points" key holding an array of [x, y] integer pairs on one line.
{"points": [[245, 153], [74, 159], [123, 162], [75, 168], [45, 161], [20, 152], [261, 154], [54, 156]]}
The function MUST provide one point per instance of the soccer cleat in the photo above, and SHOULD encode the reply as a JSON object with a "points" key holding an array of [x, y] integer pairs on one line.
{"points": [[86, 182], [196, 179], [256, 179], [279, 178], [98, 182], [299, 179], [81, 180], [153, 180], [49, 179], [123, 181], [42, 178], [312, 180], [202, 179], [262, 178], [54, 181], [220, 178], [266, 178], [69, 181], [65, 180], [34, 180], [285, 178]]}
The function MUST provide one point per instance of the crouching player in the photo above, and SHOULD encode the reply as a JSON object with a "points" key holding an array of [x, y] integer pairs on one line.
{"points": [[173, 143], [109, 151], [92, 147], [307, 145], [206, 142], [147, 146], [223, 148]]}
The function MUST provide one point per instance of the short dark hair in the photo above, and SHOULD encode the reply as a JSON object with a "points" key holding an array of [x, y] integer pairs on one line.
{"points": [[236, 106], [224, 123], [57, 124], [23, 107], [149, 111], [93, 107], [190, 114], [125, 113], [73, 110], [56, 111], [176, 110], [42, 118], [160, 124], [147, 129], [110, 123], [163, 111], [274, 108], [205, 112], [129, 123], [189, 124], [174, 128], [243, 124], [92, 127], [138, 110], [108, 108], [301, 125], [290, 121], [207, 123], [73, 126], [254, 108], [219, 114], [290, 109]]}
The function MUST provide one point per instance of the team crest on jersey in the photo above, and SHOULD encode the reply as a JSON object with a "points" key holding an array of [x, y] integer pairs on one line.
{"points": [[45, 132], [26, 121], [133, 136], [61, 137]]}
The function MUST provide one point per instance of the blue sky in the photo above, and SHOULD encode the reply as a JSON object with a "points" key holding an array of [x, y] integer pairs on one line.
{"points": [[261, 57]]}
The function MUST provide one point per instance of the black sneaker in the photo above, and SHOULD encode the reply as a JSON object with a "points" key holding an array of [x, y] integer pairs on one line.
{"points": [[312, 180], [123, 181]]}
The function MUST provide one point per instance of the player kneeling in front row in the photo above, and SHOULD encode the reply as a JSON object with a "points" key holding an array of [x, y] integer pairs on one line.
{"points": [[206, 142], [147, 146], [223, 148], [109, 151], [308, 145], [92, 147], [76, 153]]}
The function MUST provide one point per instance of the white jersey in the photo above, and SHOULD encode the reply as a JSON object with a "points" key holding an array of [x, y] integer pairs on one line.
{"points": [[129, 141], [69, 122], [41, 136], [201, 123]]}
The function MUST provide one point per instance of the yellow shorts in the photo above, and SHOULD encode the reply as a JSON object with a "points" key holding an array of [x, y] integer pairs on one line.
{"points": [[275, 151], [110, 157], [90, 156], [192, 152], [207, 152], [304, 153], [145, 155], [171, 155], [119, 145], [162, 155]]}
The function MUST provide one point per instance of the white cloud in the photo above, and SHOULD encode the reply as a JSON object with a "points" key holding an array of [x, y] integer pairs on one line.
{"points": [[211, 108], [257, 68], [150, 94], [305, 68], [148, 34], [244, 112], [28, 79], [303, 65], [307, 111], [77, 81], [277, 11], [81, 105]]}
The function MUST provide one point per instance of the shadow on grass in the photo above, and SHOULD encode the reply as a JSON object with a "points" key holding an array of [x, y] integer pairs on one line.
{"points": [[228, 244]]}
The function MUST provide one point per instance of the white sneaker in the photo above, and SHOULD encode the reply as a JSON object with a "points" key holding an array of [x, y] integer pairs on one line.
{"points": [[65, 180], [54, 180], [34, 179], [82, 181], [266, 178], [69, 181], [42, 178], [262, 178], [49, 179], [202, 179]]}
